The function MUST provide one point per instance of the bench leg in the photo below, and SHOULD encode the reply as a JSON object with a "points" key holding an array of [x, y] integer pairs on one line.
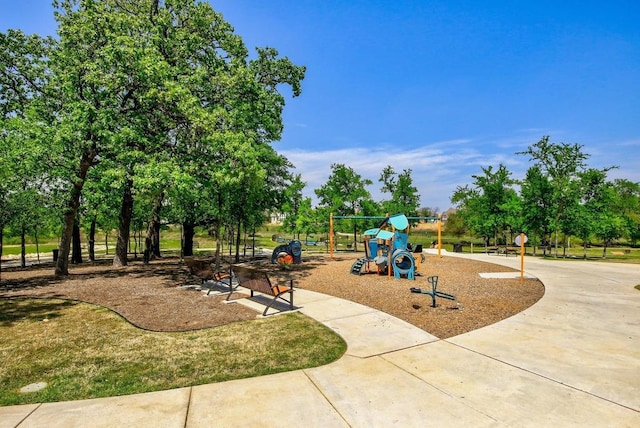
{"points": [[291, 295], [264, 314], [279, 296]]}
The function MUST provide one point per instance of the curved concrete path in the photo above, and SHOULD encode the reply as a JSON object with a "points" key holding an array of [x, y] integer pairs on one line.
{"points": [[572, 359]]}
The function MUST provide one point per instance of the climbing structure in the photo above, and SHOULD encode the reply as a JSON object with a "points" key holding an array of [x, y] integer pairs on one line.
{"points": [[288, 253], [387, 250], [402, 261]]}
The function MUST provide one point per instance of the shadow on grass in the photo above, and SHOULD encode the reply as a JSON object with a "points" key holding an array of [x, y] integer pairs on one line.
{"points": [[43, 275], [171, 269], [15, 310]]}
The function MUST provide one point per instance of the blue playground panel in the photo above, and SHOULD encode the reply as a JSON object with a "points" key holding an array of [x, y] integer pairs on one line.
{"points": [[403, 264]]}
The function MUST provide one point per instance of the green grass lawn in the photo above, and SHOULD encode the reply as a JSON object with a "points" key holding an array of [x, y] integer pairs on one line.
{"points": [[85, 351], [15, 250]]}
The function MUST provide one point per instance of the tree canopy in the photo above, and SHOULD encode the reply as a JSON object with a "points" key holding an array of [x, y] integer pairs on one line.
{"points": [[404, 195], [560, 197], [161, 95]]}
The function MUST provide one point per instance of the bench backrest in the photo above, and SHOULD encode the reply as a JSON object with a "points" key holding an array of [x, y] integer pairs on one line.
{"points": [[253, 279], [200, 268]]}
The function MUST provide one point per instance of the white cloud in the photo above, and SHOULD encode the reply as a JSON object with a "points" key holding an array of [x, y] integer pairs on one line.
{"points": [[439, 167]]}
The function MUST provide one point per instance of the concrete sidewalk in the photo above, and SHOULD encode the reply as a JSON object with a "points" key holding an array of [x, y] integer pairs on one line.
{"points": [[572, 359]]}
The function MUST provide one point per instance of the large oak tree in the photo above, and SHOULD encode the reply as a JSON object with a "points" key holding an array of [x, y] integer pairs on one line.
{"points": [[136, 84]]}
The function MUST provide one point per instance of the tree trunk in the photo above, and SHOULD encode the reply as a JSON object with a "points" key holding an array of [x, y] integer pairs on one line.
{"points": [[152, 240], [253, 243], [92, 240], [156, 239], [238, 243], [244, 244], [76, 253], [228, 238], [189, 231], [126, 213], [147, 249], [217, 226], [1, 246], [137, 243], [23, 248], [215, 231], [35, 235], [62, 265]]}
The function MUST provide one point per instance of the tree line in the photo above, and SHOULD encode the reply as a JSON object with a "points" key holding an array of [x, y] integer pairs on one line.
{"points": [[560, 198], [146, 112], [345, 193]]}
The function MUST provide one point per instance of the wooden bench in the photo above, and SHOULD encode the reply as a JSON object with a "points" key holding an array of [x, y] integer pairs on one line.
{"points": [[511, 250], [203, 269], [256, 280], [503, 249]]}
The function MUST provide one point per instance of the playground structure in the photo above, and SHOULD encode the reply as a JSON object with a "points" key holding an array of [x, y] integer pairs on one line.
{"points": [[287, 254], [355, 217], [389, 250]]}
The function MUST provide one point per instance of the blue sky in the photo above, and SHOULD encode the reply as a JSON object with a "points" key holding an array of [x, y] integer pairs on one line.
{"points": [[440, 87]]}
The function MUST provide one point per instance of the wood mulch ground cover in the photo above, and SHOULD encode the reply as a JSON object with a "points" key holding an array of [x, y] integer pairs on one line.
{"points": [[154, 297]]}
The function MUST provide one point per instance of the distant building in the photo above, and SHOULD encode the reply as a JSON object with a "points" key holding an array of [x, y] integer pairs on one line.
{"points": [[277, 218], [445, 215]]}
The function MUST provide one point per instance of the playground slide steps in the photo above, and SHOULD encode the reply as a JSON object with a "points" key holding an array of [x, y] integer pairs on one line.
{"points": [[356, 268]]}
